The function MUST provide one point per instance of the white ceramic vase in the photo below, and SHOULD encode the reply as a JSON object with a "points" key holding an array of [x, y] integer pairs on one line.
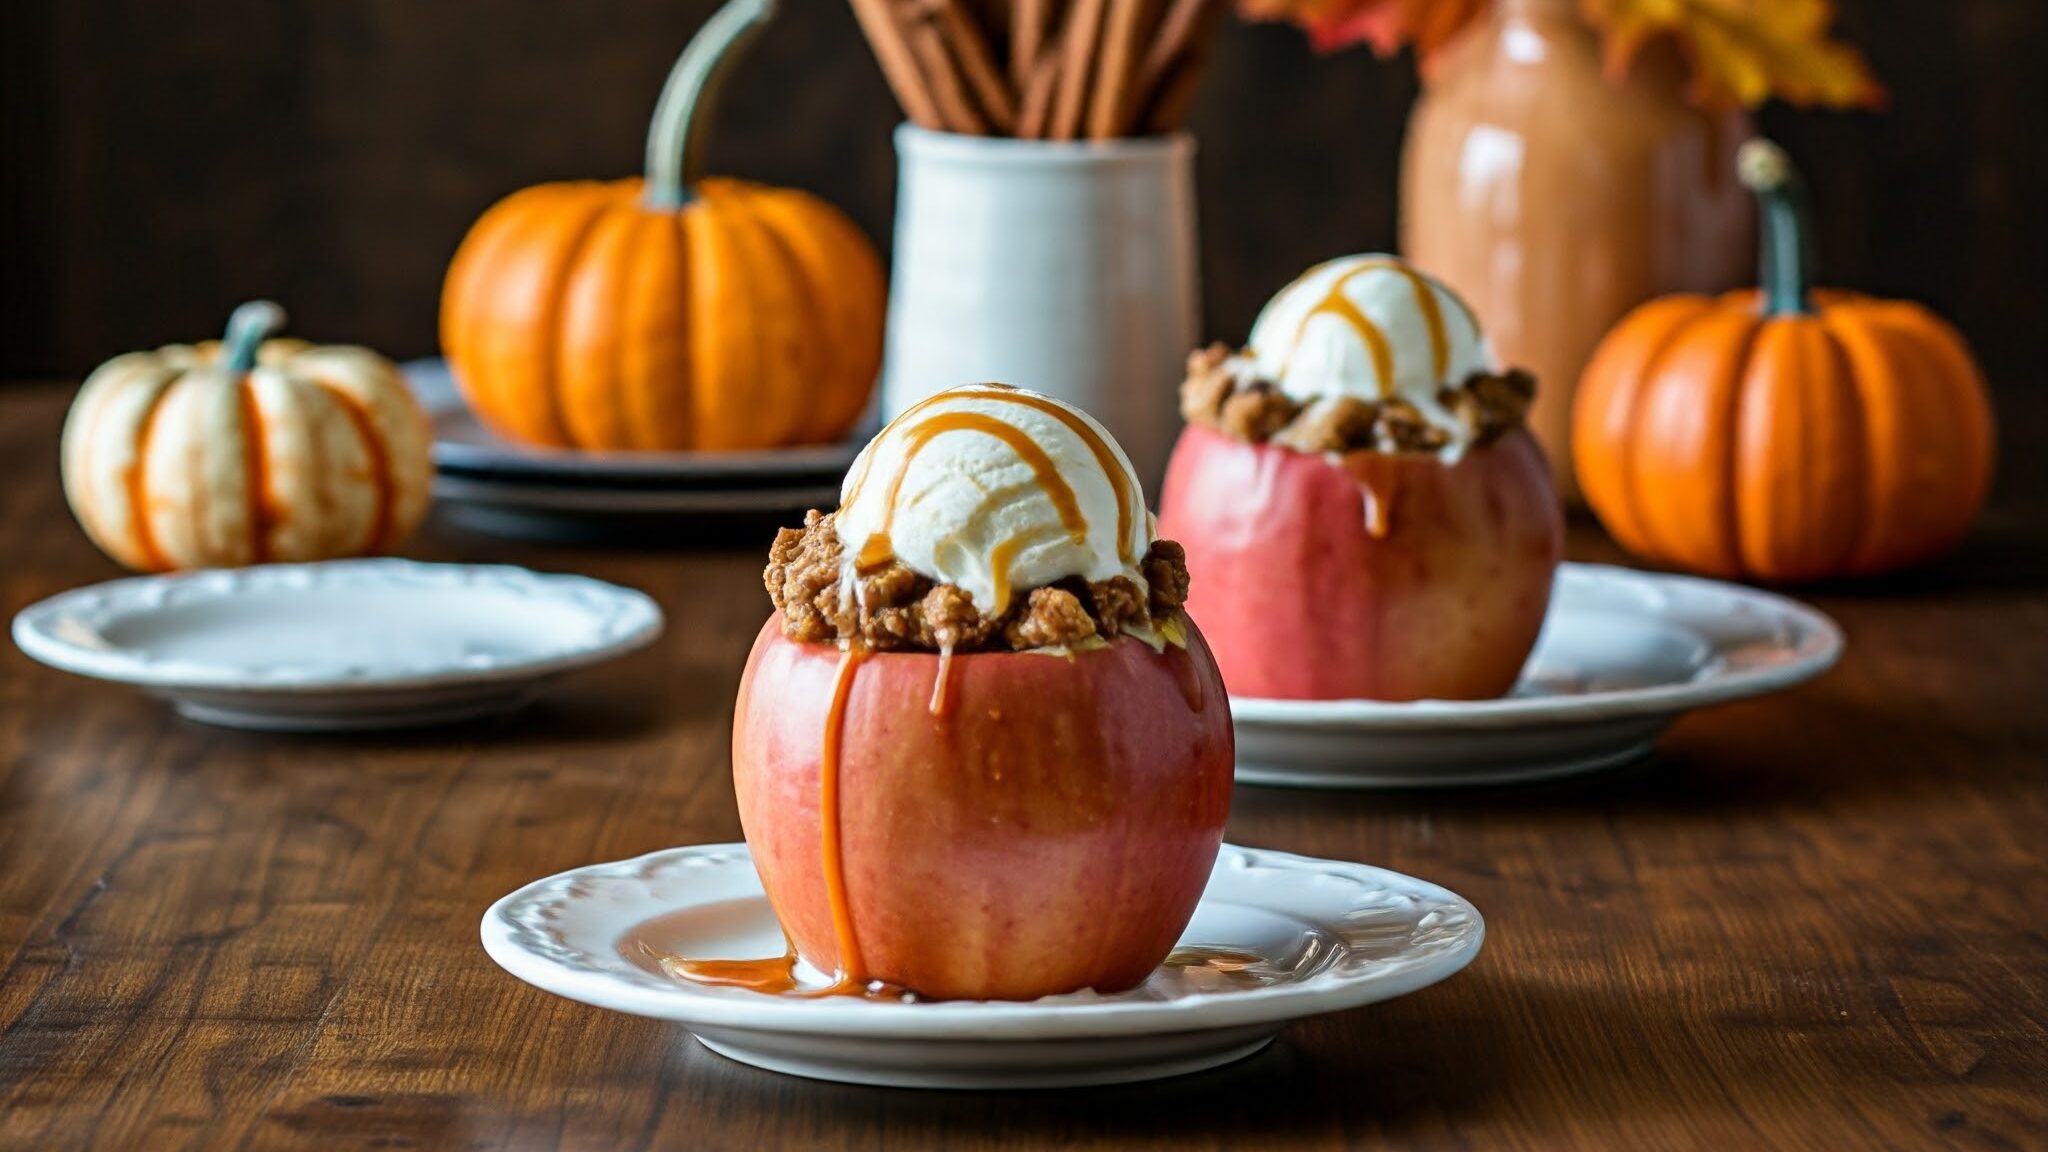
{"points": [[1066, 268]]}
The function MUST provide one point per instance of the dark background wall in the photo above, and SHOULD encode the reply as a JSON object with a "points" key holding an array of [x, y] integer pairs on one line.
{"points": [[167, 158]]}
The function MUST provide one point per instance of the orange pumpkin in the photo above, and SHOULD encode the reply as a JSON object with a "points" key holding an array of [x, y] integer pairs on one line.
{"points": [[669, 313], [1783, 434], [246, 450]]}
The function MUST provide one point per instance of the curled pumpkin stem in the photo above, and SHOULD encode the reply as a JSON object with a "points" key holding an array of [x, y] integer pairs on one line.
{"points": [[1762, 165], [1785, 257], [680, 116], [248, 326]]}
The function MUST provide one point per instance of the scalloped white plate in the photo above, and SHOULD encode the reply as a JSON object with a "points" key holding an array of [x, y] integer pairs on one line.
{"points": [[344, 645], [1623, 653], [1329, 935]]}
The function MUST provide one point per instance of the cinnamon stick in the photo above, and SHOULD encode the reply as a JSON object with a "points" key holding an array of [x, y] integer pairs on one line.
{"points": [[1036, 116], [1169, 102], [1116, 70], [891, 46], [1186, 30], [970, 51], [1083, 33], [957, 112], [1027, 36]]}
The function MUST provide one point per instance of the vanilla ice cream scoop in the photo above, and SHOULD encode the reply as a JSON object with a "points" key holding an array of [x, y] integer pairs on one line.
{"points": [[994, 489], [1372, 328]]}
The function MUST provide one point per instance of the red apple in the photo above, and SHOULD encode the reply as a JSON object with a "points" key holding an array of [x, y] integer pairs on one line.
{"points": [[1385, 576], [1050, 829]]}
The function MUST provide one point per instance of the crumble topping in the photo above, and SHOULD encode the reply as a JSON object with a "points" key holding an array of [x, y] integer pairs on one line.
{"points": [[1220, 393], [894, 609]]}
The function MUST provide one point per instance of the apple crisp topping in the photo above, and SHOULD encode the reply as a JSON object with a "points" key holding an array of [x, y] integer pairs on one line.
{"points": [[895, 609], [1220, 394]]}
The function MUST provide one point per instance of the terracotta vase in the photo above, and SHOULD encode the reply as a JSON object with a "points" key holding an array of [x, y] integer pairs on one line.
{"points": [[1555, 199]]}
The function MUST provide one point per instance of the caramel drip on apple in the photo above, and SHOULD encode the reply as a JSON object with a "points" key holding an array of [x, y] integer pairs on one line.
{"points": [[776, 975], [1379, 494], [942, 699], [852, 974]]}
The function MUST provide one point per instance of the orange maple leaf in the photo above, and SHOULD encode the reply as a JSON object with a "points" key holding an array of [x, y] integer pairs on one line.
{"points": [[1743, 51]]}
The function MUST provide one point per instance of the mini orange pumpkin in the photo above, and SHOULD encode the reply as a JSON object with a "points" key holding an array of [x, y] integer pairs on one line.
{"points": [[1783, 435], [670, 313], [246, 450]]}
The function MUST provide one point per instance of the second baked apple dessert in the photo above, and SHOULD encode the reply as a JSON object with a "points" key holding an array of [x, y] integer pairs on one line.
{"points": [[979, 750], [1363, 512]]}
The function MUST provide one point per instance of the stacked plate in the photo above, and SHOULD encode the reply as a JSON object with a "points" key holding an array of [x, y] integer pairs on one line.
{"points": [[504, 489]]}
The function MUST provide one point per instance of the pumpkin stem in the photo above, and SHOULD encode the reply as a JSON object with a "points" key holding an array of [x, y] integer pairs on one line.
{"points": [[1785, 261], [682, 112], [248, 326]]}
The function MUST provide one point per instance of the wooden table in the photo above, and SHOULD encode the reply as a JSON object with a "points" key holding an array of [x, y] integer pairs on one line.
{"points": [[1815, 921]]}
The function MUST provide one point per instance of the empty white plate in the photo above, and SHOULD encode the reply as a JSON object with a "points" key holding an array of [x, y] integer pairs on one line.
{"points": [[348, 644], [1321, 936], [1622, 654]]}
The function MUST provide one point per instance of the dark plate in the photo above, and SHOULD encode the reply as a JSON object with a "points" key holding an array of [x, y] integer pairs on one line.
{"points": [[464, 447]]}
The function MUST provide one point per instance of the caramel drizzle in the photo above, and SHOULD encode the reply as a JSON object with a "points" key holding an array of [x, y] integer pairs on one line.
{"points": [[1336, 303], [1001, 558], [879, 548], [1105, 457], [852, 975], [769, 975], [777, 975], [942, 697], [1127, 499]]}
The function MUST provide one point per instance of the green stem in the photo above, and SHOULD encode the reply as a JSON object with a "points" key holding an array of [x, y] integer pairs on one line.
{"points": [[248, 326], [680, 116], [1785, 237]]}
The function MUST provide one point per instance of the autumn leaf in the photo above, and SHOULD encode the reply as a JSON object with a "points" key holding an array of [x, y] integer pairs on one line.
{"points": [[1387, 25], [1743, 51]]}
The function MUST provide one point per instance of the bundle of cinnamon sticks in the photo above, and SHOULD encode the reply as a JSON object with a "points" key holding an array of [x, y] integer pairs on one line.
{"points": [[1042, 69]]}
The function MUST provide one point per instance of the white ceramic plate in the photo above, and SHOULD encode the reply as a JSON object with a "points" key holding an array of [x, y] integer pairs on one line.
{"points": [[462, 445], [1622, 654], [1330, 935], [349, 644]]}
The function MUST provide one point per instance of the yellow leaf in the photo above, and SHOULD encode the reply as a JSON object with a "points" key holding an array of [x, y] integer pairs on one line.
{"points": [[1743, 51]]}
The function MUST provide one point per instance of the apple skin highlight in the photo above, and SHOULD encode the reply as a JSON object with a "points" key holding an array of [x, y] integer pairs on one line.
{"points": [[1382, 576], [1049, 828]]}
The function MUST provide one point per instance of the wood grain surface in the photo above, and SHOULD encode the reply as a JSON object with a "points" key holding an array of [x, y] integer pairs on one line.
{"points": [[1810, 922]]}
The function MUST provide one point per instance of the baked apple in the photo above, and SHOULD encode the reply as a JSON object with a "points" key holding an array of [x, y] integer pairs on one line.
{"points": [[1363, 513], [980, 752]]}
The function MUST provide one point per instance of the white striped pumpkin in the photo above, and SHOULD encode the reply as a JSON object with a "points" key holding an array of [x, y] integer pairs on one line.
{"points": [[246, 451]]}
